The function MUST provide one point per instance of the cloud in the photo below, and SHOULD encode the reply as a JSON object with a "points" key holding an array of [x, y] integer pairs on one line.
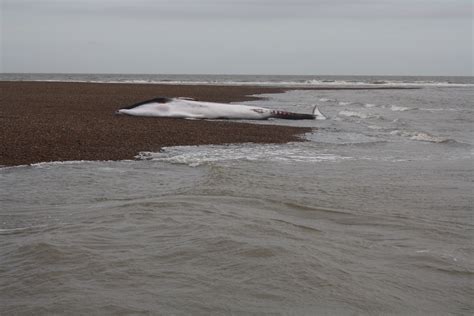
{"points": [[238, 36], [251, 9]]}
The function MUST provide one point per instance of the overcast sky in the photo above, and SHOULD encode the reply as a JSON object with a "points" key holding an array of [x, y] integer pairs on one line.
{"points": [[333, 37]]}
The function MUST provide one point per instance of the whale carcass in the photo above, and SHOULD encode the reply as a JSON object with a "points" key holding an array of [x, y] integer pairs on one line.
{"points": [[191, 109]]}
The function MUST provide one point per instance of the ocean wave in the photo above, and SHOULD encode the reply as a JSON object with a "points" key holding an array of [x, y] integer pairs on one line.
{"points": [[422, 136], [53, 163], [425, 137], [439, 110], [344, 138], [390, 83], [397, 108], [354, 114], [345, 103], [41, 253], [202, 80], [375, 127], [327, 100], [17, 230], [48, 164], [43, 164], [199, 155]]}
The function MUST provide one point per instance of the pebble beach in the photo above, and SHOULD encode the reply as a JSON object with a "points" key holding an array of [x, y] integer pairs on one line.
{"points": [[60, 121]]}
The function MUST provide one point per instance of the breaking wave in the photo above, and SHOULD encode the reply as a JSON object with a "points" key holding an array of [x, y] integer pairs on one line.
{"points": [[198, 155], [397, 108], [344, 103], [249, 80], [327, 100], [422, 136], [354, 114]]}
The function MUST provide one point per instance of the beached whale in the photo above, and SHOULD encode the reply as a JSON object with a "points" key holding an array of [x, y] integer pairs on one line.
{"points": [[190, 109]]}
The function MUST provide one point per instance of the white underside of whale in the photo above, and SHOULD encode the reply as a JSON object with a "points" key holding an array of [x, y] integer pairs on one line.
{"points": [[190, 109]]}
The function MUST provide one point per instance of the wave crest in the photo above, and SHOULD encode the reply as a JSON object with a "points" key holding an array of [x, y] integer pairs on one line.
{"points": [[422, 136]]}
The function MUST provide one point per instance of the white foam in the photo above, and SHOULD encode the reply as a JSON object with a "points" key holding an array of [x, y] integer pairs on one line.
{"points": [[296, 83], [422, 251], [345, 103], [9, 230], [425, 137], [353, 114], [420, 136], [198, 155], [438, 110], [397, 108], [326, 100], [60, 163], [46, 164], [370, 105]]}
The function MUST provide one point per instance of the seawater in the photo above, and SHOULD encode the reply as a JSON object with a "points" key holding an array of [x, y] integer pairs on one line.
{"points": [[261, 80], [371, 214]]}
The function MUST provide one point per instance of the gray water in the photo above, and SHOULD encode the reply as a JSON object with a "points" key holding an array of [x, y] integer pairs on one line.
{"points": [[372, 214], [265, 80]]}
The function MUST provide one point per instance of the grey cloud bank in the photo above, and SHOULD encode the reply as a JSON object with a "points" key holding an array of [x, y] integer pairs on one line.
{"points": [[257, 8], [270, 37]]}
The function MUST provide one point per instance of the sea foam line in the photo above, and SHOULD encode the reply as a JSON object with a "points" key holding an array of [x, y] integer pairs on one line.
{"points": [[199, 155], [296, 83]]}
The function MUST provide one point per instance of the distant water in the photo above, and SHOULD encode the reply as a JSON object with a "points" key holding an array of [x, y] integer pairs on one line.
{"points": [[264, 80], [373, 214]]}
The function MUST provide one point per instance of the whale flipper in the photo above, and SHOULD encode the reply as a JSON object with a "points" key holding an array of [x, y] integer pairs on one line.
{"points": [[317, 114]]}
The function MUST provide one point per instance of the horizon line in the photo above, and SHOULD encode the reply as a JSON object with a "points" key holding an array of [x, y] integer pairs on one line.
{"points": [[230, 74]]}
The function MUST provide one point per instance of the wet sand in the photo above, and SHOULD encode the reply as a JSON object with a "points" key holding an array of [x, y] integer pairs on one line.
{"points": [[59, 121]]}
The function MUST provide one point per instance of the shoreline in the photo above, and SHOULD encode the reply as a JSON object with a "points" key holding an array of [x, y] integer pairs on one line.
{"points": [[223, 85], [62, 121], [67, 121]]}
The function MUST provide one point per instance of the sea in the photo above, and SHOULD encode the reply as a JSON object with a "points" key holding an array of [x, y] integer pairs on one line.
{"points": [[370, 214]]}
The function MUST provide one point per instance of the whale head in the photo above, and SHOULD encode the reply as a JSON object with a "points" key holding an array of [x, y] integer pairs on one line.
{"points": [[134, 108]]}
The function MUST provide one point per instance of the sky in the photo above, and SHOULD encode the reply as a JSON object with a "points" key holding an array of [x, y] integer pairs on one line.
{"points": [[301, 37]]}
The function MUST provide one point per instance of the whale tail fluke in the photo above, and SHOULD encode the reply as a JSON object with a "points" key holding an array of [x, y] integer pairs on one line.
{"points": [[317, 114]]}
